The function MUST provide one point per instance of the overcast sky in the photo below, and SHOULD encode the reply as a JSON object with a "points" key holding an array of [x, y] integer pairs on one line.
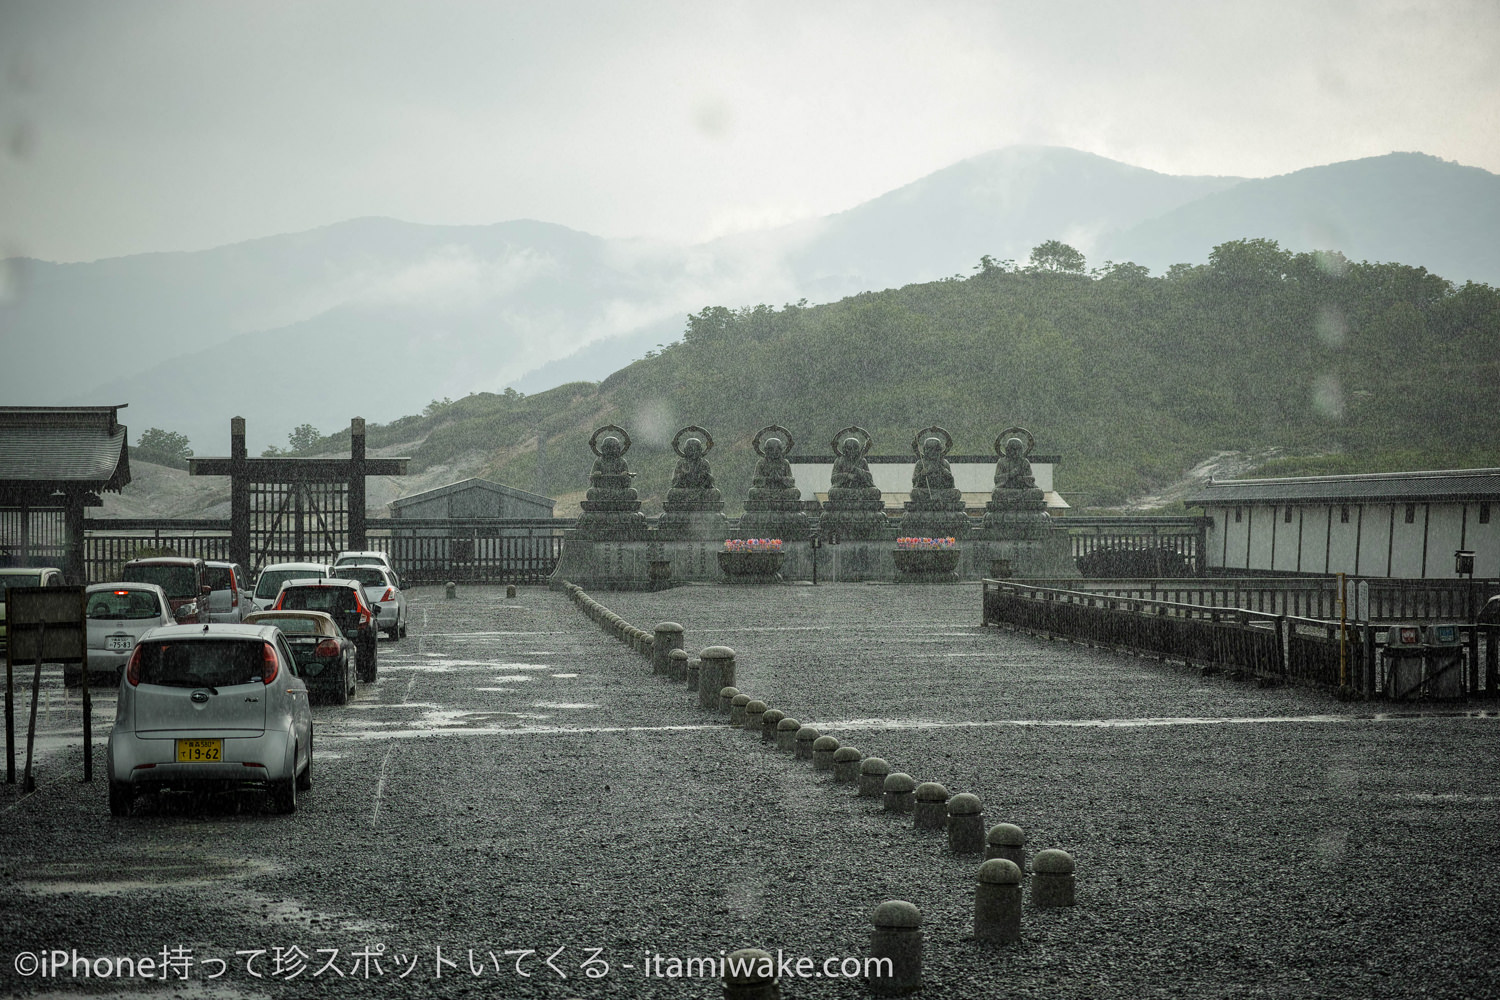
{"points": [[132, 126]]}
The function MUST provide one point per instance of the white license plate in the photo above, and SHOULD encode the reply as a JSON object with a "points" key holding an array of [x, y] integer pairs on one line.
{"points": [[120, 643]]}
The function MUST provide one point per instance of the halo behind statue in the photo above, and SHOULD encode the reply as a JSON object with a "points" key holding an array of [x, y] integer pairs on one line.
{"points": [[774, 430], [857, 432], [933, 431], [620, 431], [693, 431], [1010, 432]]}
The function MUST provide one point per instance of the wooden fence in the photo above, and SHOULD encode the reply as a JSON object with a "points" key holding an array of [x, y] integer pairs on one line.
{"points": [[1278, 647]]}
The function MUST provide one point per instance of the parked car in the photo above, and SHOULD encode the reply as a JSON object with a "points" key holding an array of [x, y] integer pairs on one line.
{"points": [[185, 580], [364, 557], [211, 706], [268, 584], [384, 594], [230, 598], [323, 652], [19, 576], [116, 616], [344, 601]]}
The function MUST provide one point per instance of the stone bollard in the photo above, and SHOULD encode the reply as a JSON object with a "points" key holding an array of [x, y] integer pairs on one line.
{"points": [[997, 902], [693, 667], [677, 661], [716, 673], [872, 772], [725, 704], [737, 709], [754, 710], [510, 591], [1006, 841], [823, 749], [896, 947], [931, 809], [450, 590], [803, 742], [846, 764], [965, 824], [898, 787], [667, 637], [770, 720], [1052, 878], [750, 974], [786, 733]]}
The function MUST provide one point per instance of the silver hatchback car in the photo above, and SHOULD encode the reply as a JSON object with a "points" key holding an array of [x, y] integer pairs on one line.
{"points": [[118, 614], [211, 706]]}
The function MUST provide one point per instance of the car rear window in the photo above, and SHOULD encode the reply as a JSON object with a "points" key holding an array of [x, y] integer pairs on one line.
{"points": [[359, 561], [269, 584], [123, 605], [337, 599], [217, 578], [19, 580], [202, 662], [292, 626], [365, 576], [177, 581]]}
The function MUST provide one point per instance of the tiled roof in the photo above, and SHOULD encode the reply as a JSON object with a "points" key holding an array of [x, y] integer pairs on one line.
{"points": [[472, 484], [1452, 485], [62, 446]]}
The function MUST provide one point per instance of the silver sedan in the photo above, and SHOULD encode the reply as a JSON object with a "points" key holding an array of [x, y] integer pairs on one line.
{"points": [[384, 594], [117, 615], [211, 706]]}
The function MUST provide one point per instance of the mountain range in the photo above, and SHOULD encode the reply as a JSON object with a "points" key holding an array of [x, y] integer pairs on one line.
{"points": [[378, 318]]}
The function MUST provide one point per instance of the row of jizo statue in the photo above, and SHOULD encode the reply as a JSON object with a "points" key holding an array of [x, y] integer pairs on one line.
{"points": [[932, 484]]}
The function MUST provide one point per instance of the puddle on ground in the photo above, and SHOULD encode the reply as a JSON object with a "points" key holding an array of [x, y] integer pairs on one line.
{"points": [[563, 704], [511, 679], [565, 676], [110, 877]]}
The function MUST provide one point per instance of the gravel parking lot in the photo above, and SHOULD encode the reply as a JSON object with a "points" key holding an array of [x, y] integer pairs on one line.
{"points": [[517, 779]]}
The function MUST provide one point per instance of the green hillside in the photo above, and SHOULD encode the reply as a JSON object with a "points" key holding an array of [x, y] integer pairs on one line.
{"points": [[1130, 379]]}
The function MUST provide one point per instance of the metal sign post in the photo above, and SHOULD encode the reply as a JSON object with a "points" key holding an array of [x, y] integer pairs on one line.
{"points": [[46, 624]]}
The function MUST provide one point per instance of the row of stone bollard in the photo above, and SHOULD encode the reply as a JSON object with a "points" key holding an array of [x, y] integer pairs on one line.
{"points": [[896, 940], [640, 640]]}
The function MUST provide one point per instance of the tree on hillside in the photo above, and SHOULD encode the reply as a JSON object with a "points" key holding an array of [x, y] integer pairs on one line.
{"points": [[1056, 257], [303, 438], [164, 448]]}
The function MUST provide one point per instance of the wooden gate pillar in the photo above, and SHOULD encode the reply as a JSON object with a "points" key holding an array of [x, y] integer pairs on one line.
{"points": [[239, 495], [357, 483]]}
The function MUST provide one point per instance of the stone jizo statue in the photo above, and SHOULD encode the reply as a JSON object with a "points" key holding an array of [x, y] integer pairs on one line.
{"points": [[1013, 470], [773, 471], [932, 471], [850, 470], [692, 471]]}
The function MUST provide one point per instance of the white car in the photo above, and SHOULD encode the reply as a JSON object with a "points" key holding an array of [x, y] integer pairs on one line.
{"points": [[384, 594], [116, 616], [365, 557], [211, 706], [268, 584]]}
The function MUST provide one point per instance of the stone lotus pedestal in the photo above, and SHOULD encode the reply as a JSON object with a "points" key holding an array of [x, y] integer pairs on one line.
{"points": [[692, 515], [1018, 530], [855, 515], [935, 514], [776, 513]]}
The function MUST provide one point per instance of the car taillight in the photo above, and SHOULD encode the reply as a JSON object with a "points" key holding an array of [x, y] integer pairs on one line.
{"points": [[389, 595], [328, 647], [269, 664], [133, 668], [234, 598]]}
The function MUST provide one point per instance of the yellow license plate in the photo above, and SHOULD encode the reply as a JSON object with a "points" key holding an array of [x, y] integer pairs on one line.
{"points": [[200, 751]]}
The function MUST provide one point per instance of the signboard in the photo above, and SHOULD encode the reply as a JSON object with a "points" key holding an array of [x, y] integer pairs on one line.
{"points": [[53, 615]]}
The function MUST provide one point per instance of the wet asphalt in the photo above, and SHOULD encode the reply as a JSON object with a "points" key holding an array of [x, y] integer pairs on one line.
{"points": [[516, 787]]}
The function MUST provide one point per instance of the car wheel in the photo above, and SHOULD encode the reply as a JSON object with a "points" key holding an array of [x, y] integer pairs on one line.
{"points": [[395, 633], [403, 630], [374, 654], [284, 792], [341, 696], [120, 798], [304, 780]]}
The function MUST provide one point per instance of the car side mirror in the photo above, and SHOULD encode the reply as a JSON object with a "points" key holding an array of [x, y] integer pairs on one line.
{"points": [[207, 590]]}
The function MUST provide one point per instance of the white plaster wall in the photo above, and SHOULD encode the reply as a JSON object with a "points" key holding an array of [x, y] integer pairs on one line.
{"points": [[1375, 538]]}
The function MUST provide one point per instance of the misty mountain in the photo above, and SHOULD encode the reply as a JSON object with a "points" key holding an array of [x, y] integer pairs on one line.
{"points": [[377, 317], [1405, 207]]}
